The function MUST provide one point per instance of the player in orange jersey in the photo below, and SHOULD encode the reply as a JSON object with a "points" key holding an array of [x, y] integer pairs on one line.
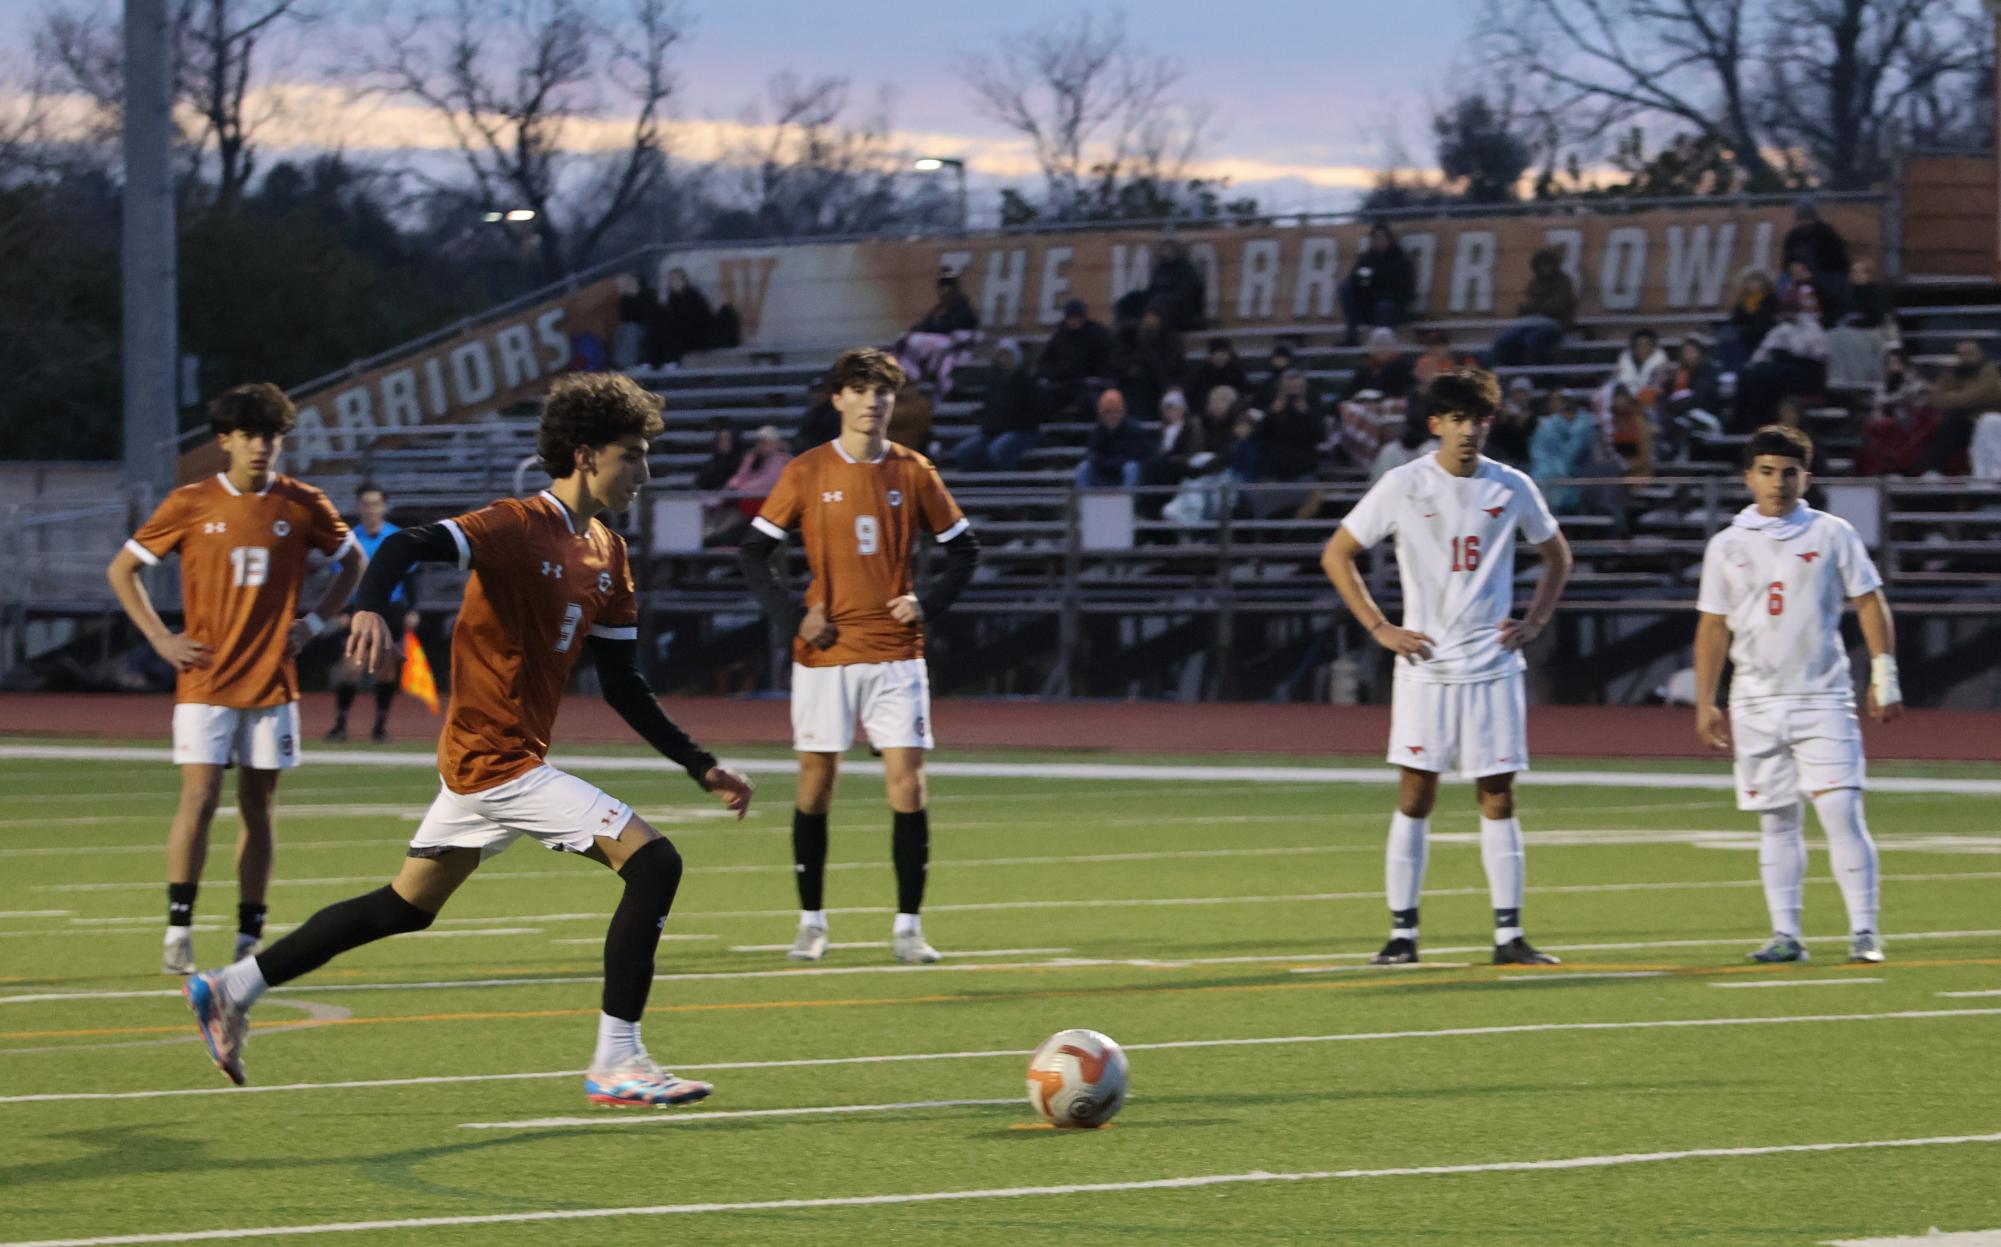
{"points": [[243, 536], [859, 502], [548, 577]]}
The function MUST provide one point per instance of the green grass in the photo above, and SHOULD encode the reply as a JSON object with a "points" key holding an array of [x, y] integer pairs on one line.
{"points": [[1289, 875]]}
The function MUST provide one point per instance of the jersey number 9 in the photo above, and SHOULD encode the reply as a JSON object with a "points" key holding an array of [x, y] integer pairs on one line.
{"points": [[868, 537]]}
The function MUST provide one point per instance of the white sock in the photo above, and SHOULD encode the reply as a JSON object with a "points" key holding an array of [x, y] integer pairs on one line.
{"points": [[243, 982], [618, 1040], [907, 924], [1852, 853], [813, 918], [1501, 852], [1403, 865], [179, 935], [1782, 865]]}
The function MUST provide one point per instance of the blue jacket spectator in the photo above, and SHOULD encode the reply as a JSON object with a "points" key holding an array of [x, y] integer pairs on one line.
{"points": [[1116, 448], [1565, 444]]}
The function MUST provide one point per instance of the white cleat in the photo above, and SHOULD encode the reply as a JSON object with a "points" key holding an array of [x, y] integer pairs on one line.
{"points": [[811, 944], [641, 1083], [177, 955], [1865, 946], [913, 950]]}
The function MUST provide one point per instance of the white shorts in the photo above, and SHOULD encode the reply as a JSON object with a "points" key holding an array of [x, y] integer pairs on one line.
{"points": [[1787, 747], [265, 739], [892, 699], [1481, 727], [559, 810]]}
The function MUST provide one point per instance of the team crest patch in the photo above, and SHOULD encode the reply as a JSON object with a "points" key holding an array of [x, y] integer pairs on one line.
{"points": [[282, 528], [896, 497], [604, 582]]}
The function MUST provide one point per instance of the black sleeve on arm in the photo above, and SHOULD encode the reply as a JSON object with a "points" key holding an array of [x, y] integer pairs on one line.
{"points": [[399, 552], [626, 691], [962, 555], [755, 557]]}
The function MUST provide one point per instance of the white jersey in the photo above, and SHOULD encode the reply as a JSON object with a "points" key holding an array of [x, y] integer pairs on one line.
{"points": [[1781, 582], [1455, 542]]}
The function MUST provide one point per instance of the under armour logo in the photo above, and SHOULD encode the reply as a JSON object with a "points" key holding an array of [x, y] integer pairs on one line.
{"points": [[830, 495], [215, 526], [554, 570], [1810, 556], [1493, 510]]}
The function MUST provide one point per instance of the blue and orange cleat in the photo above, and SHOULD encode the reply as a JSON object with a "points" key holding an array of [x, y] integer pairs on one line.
{"points": [[224, 1027], [641, 1083]]}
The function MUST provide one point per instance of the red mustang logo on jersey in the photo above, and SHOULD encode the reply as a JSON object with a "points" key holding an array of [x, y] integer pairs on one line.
{"points": [[1415, 748], [1493, 510], [1810, 555]]}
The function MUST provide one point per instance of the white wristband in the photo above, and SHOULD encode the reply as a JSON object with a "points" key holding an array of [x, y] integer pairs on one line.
{"points": [[1883, 680], [313, 622]]}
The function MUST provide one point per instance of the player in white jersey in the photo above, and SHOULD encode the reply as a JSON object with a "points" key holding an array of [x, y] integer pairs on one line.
{"points": [[1458, 698], [1773, 587]]}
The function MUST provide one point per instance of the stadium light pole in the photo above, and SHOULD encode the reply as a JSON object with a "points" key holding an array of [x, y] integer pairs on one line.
{"points": [[146, 254], [932, 164]]}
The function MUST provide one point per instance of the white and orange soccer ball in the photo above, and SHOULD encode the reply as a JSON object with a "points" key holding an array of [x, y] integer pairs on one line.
{"points": [[1077, 1078]]}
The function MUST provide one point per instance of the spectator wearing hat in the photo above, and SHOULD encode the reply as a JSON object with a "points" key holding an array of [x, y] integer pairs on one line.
{"points": [[1824, 253], [1384, 371], [942, 339], [1219, 367], [1380, 288], [1180, 439], [1010, 419], [1076, 359], [1548, 310], [1176, 289]]}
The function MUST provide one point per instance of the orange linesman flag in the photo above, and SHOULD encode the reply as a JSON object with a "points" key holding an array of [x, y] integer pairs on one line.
{"points": [[417, 680]]}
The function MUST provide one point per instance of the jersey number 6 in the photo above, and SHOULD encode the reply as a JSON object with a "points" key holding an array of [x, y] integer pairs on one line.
{"points": [[1775, 598], [867, 536]]}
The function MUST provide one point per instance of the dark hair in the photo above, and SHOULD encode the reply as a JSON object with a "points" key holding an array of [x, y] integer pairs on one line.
{"points": [[1465, 391], [369, 487], [1779, 439], [1221, 344], [591, 409], [256, 407], [1642, 332], [864, 368]]}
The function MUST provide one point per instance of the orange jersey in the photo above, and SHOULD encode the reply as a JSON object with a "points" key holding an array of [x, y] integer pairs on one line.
{"points": [[243, 561], [859, 522], [538, 588]]}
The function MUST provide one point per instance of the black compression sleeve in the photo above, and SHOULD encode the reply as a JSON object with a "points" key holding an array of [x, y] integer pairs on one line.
{"points": [[398, 553], [626, 691], [755, 556], [962, 555]]}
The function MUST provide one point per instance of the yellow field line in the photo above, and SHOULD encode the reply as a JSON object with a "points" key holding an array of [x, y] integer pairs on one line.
{"points": [[1484, 974]]}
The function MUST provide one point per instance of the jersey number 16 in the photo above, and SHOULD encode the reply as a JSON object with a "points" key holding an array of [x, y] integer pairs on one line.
{"points": [[1465, 553]]}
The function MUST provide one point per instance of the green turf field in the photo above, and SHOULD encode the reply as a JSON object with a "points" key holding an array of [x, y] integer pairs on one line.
{"points": [[1280, 1091]]}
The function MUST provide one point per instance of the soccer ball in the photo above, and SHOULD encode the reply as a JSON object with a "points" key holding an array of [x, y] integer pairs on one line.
{"points": [[1077, 1078]]}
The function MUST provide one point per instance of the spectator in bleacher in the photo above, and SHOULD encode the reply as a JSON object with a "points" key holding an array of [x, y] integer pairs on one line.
{"points": [[1180, 440], [821, 423], [1437, 359], [725, 456], [1118, 445], [638, 323], [1292, 432], [1514, 425], [1643, 366], [1752, 315], [1791, 360], [756, 474], [1632, 434], [1963, 393], [1693, 396], [1279, 362], [1150, 361], [1220, 367], [1796, 284], [1076, 359], [911, 427], [1383, 372], [1901, 423], [941, 340], [1177, 291], [1413, 441], [1379, 290], [1548, 310], [687, 324], [1870, 305], [1010, 418], [1792, 415], [1824, 252], [1565, 445]]}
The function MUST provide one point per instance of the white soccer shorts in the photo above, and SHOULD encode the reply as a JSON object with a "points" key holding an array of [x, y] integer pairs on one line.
{"points": [[1481, 727], [892, 699], [553, 807], [1789, 747], [265, 739]]}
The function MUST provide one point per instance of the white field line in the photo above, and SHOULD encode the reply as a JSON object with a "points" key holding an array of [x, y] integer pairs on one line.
{"points": [[1194, 1182], [1969, 1238], [696, 1116], [1064, 963], [1969, 995], [957, 952], [274, 928], [1717, 781], [43, 913], [1840, 982], [1563, 976], [1454, 1032]]}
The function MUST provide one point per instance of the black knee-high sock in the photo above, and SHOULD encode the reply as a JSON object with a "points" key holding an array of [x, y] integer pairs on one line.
{"points": [[250, 919], [332, 931], [181, 904], [652, 876], [809, 858], [385, 694], [910, 846], [343, 702]]}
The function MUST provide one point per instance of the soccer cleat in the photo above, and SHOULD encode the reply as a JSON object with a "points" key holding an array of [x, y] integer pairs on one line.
{"points": [[811, 944], [224, 1027], [379, 734], [1398, 952], [1779, 949], [641, 1083], [1865, 946], [1519, 952], [337, 733], [177, 955], [912, 949]]}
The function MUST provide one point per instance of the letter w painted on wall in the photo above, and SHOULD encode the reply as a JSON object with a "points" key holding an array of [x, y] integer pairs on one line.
{"points": [[745, 284]]}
